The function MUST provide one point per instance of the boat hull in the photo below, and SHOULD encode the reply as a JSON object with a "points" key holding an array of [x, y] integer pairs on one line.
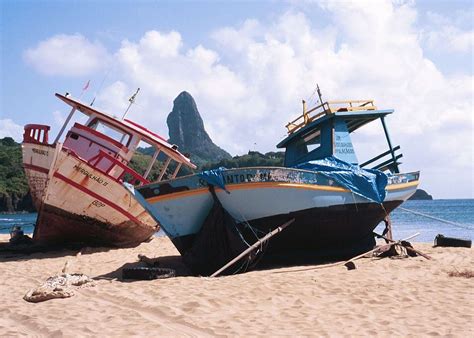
{"points": [[78, 203], [327, 216], [37, 160], [58, 226], [340, 230]]}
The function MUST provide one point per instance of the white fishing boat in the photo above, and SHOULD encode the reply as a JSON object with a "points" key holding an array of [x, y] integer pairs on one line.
{"points": [[335, 201], [82, 186]]}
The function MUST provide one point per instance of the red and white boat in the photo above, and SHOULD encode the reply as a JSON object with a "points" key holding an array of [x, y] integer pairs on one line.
{"points": [[78, 184]]}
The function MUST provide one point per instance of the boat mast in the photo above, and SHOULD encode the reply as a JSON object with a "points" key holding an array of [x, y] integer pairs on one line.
{"points": [[319, 94], [132, 101], [65, 124]]}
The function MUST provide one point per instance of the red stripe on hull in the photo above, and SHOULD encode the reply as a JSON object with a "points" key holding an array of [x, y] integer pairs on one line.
{"points": [[97, 196], [35, 168]]}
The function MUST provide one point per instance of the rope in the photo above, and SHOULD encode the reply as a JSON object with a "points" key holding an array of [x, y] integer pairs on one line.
{"points": [[435, 218]]}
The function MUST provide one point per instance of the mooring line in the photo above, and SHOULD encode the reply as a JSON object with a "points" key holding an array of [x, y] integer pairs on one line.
{"points": [[435, 218]]}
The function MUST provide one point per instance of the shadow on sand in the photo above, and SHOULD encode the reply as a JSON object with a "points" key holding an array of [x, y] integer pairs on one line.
{"points": [[168, 262], [176, 263], [21, 252]]}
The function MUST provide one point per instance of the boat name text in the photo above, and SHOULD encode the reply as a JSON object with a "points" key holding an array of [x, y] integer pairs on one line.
{"points": [[242, 178], [84, 172], [40, 151]]}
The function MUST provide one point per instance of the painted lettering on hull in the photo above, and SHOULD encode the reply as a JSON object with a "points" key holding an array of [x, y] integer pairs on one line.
{"points": [[40, 151], [85, 172], [242, 178]]}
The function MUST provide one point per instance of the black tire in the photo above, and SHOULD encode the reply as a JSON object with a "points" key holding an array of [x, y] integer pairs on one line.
{"points": [[147, 273], [440, 240]]}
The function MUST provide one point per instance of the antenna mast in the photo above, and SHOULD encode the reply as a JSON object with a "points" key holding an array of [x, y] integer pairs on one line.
{"points": [[132, 101], [319, 94]]}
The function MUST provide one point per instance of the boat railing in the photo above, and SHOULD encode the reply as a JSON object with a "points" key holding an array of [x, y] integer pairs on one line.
{"points": [[102, 156], [327, 108], [36, 133], [389, 161]]}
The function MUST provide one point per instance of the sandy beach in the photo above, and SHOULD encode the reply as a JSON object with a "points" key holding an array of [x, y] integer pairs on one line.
{"points": [[385, 297]]}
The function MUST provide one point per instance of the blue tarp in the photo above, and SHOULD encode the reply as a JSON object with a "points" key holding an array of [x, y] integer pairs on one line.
{"points": [[214, 177], [368, 183]]}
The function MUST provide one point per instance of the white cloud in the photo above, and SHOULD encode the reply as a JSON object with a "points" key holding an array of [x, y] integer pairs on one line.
{"points": [[447, 35], [159, 65], [251, 83], [8, 128], [67, 55]]}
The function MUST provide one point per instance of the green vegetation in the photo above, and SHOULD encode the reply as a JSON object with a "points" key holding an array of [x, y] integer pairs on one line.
{"points": [[140, 162], [252, 159], [13, 186], [12, 176]]}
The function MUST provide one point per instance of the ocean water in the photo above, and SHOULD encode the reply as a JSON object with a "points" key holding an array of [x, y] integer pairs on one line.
{"points": [[460, 211], [404, 223], [26, 221]]}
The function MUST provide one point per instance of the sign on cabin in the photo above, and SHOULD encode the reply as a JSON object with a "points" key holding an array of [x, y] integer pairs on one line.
{"points": [[343, 148]]}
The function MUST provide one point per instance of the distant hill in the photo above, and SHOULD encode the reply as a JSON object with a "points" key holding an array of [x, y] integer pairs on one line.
{"points": [[420, 194], [252, 159], [186, 130], [14, 189]]}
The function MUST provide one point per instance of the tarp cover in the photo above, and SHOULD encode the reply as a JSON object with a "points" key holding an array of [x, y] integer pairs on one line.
{"points": [[368, 183], [218, 242], [214, 177]]}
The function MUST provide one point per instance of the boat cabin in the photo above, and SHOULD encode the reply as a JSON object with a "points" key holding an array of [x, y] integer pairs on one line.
{"points": [[108, 143], [325, 130]]}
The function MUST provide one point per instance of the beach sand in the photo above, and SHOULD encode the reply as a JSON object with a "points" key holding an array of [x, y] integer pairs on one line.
{"points": [[386, 297]]}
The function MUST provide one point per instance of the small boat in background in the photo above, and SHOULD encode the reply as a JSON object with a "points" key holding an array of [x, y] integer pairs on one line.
{"points": [[334, 201], [79, 186]]}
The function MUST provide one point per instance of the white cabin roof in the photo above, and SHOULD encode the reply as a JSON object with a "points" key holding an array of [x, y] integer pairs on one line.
{"points": [[133, 128]]}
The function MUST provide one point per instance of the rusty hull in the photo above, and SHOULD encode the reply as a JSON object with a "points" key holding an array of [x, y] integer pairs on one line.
{"points": [[56, 227]]}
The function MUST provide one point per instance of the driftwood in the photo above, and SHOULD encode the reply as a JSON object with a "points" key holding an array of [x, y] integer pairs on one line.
{"points": [[254, 246], [400, 243], [59, 286]]}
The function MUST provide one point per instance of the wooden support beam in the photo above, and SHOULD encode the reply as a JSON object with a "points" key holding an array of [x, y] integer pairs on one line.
{"points": [[165, 167], [150, 165], [254, 246]]}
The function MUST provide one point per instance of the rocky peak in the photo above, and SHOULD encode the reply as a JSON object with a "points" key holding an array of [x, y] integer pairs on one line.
{"points": [[186, 130]]}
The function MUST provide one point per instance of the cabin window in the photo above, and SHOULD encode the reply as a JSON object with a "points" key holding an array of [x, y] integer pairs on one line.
{"points": [[110, 131], [312, 140]]}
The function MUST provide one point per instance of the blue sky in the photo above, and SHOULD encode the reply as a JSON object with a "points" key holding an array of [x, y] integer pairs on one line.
{"points": [[248, 64]]}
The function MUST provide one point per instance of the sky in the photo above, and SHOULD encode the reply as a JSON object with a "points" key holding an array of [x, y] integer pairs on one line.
{"points": [[248, 65]]}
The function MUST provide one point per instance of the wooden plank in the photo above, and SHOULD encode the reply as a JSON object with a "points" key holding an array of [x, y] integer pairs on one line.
{"points": [[254, 246], [348, 101]]}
